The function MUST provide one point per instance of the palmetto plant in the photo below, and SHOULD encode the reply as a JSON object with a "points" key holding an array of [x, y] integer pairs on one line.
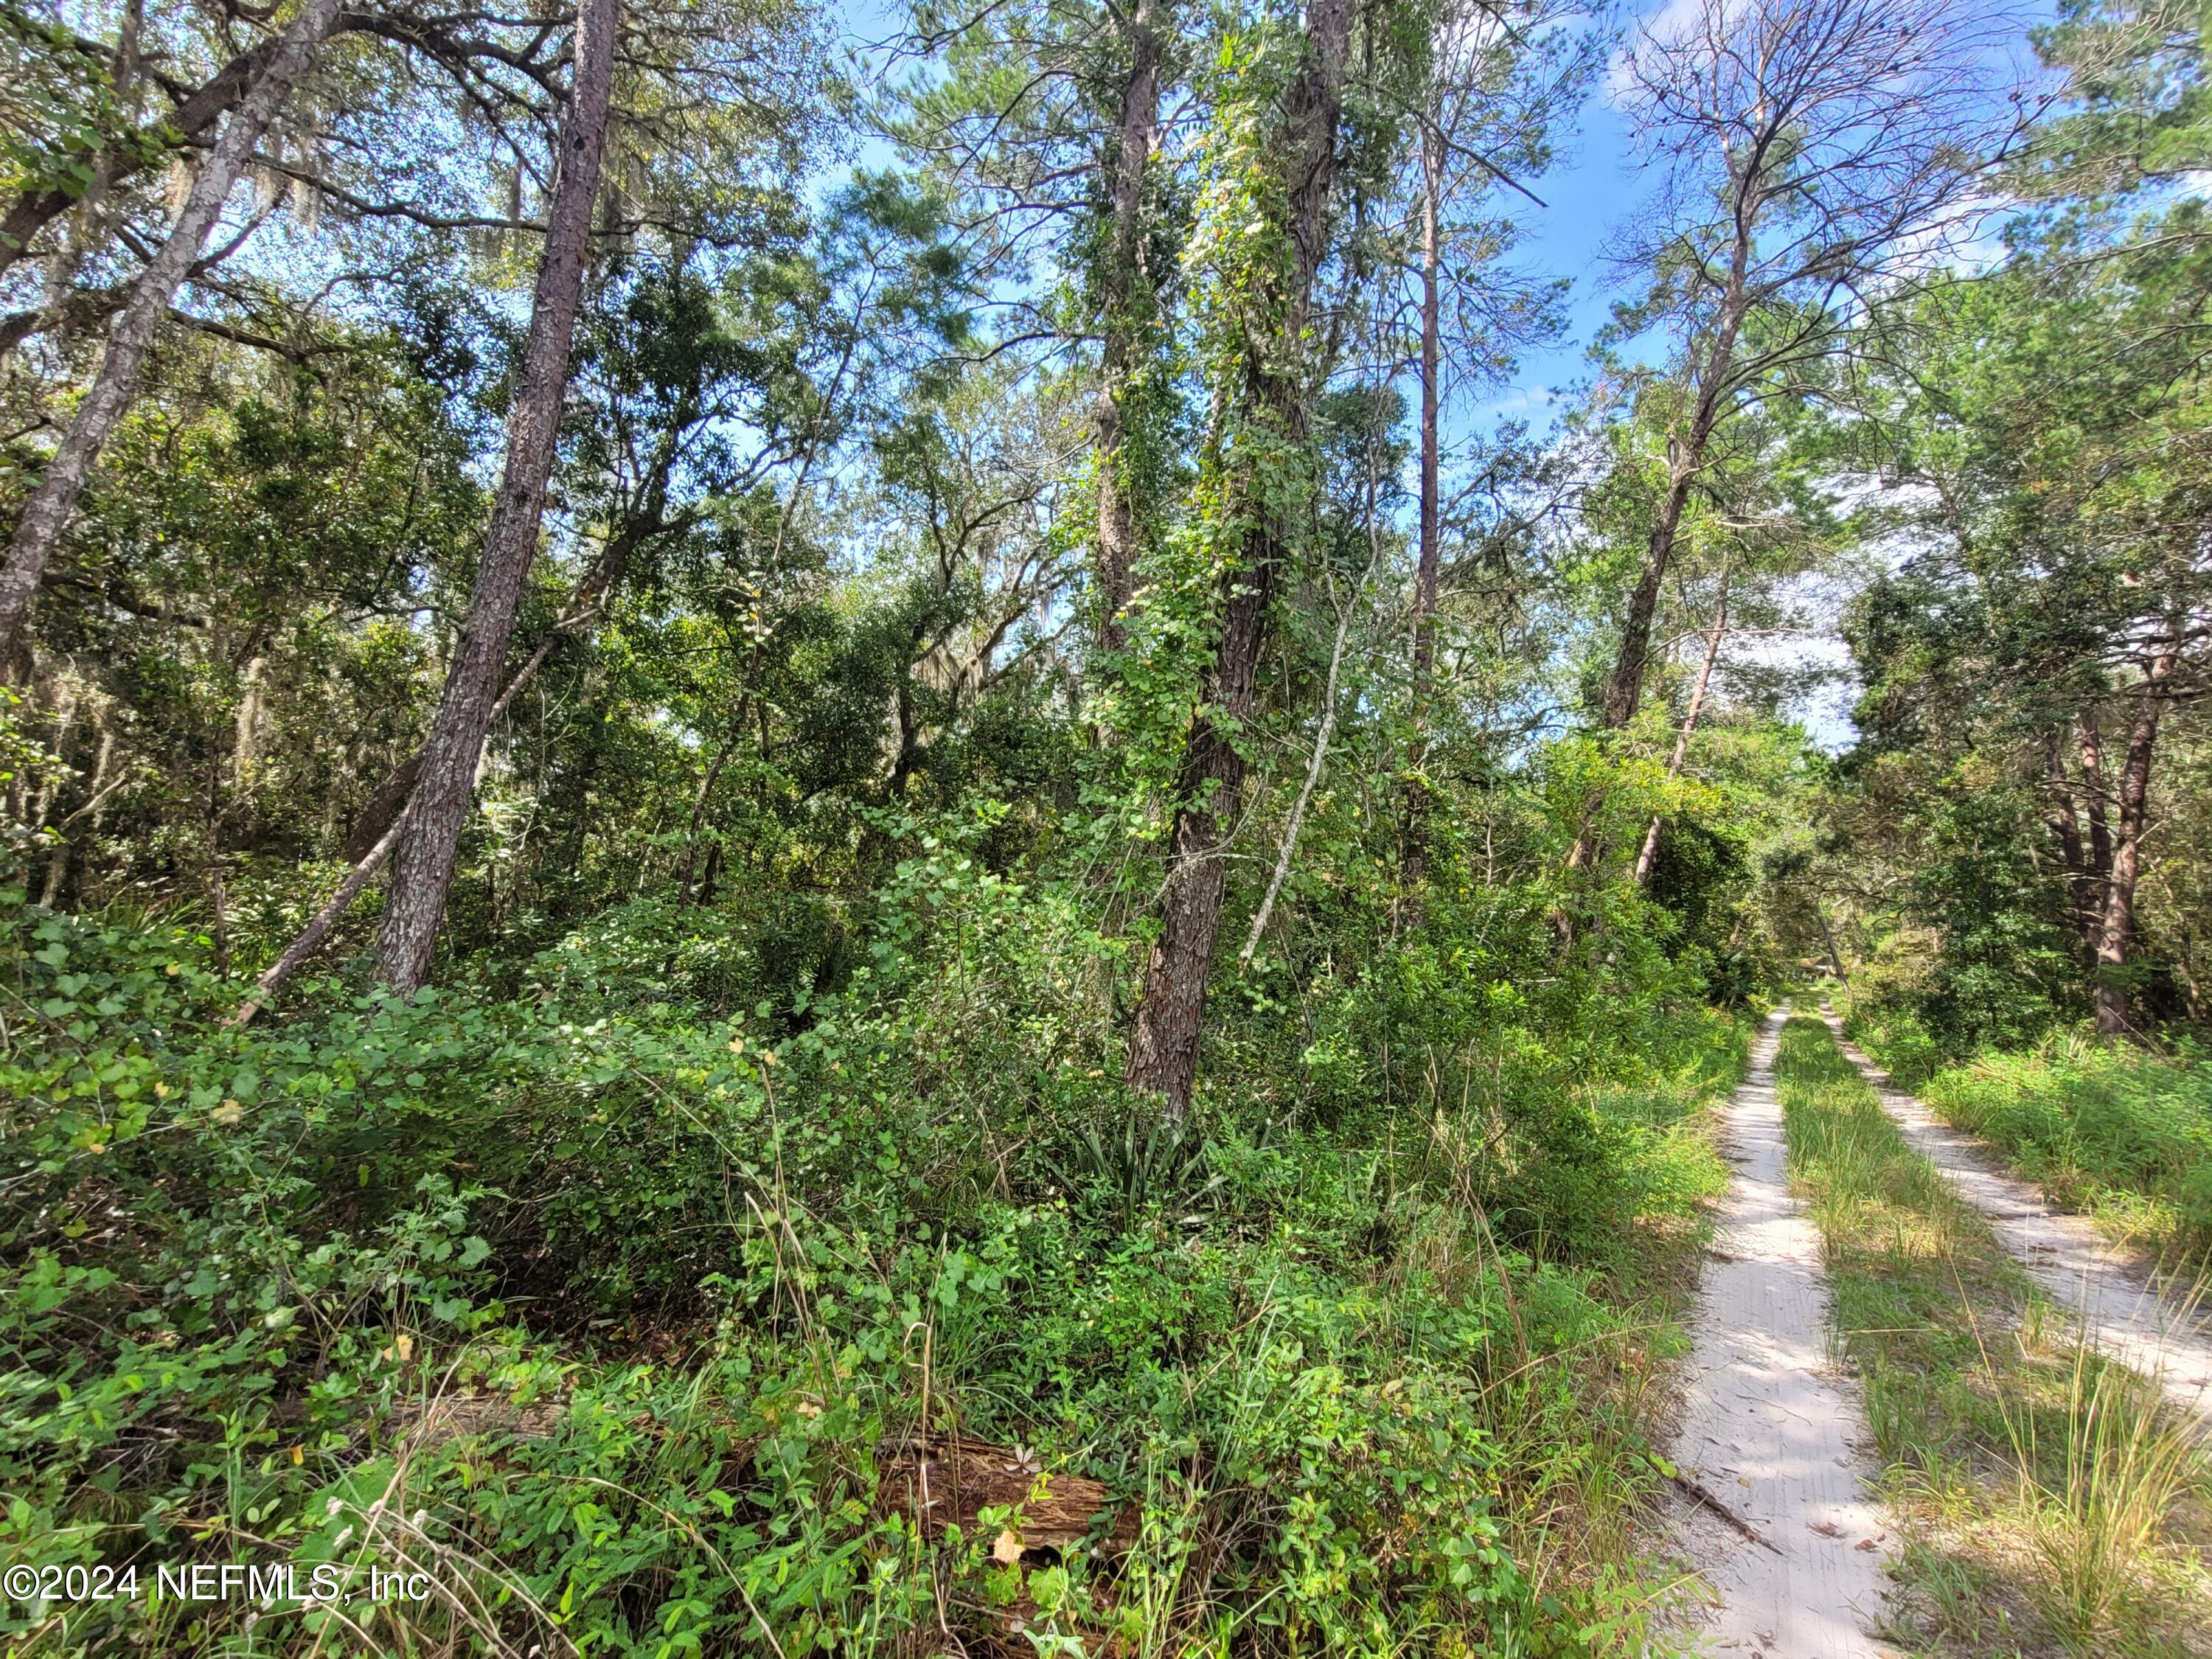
{"points": [[1147, 1160]]}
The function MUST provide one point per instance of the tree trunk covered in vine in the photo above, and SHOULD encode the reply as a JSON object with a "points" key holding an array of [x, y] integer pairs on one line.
{"points": [[1163, 1046]]}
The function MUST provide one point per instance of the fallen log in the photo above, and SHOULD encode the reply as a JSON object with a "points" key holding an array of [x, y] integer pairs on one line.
{"points": [[948, 1481]]}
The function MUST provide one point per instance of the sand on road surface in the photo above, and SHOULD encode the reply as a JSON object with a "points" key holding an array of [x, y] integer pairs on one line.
{"points": [[1770, 1430]]}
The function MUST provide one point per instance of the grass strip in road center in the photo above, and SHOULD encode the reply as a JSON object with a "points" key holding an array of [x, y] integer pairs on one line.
{"points": [[2049, 1506]]}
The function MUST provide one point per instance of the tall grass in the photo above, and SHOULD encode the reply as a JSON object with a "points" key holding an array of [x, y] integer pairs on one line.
{"points": [[2099, 1503]]}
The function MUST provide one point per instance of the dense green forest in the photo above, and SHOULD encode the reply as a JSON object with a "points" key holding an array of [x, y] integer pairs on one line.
{"points": [[747, 754]]}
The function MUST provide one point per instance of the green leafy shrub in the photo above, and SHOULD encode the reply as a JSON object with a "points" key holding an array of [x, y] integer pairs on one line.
{"points": [[1901, 1043]]}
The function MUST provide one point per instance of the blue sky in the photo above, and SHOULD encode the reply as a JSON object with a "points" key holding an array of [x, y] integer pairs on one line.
{"points": [[1586, 191], [1588, 187], [1592, 187]]}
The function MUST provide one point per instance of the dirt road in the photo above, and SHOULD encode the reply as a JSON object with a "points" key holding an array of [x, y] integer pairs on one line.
{"points": [[1771, 1431], [2066, 1256]]}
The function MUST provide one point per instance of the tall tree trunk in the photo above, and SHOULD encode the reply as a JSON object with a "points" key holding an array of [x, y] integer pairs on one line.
{"points": [[1686, 461], [1689, 724], [1119, 293], [423, 867], [1623, 687], [2094, 795], [1427, 569], [2116, 930], [1713, 369], [1163, 1046], [2062, 811], [47, 513]]}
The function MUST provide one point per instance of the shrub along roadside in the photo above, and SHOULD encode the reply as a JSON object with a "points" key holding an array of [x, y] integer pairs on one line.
{"points": [[610, 1317], [2050, 1507]]}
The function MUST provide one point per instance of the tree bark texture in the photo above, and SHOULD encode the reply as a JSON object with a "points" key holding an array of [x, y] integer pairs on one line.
{"points": [[1623, 687], [423, 866], [1119, 292], [2116, 931], [1163, 1046], [47, 513]]}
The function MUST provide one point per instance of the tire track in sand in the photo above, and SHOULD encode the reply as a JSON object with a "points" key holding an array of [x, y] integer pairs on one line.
{"points": [[1770, 1430], [2120, 1310]]}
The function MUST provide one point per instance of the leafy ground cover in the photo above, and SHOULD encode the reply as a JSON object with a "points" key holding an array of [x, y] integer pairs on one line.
{"points": [[617, 1319], [2049, 1505]]}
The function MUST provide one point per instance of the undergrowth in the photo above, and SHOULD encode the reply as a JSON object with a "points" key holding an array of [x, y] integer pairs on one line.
{"points": [[2119, 1132], [616, 1318], [2050, 1506]]}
